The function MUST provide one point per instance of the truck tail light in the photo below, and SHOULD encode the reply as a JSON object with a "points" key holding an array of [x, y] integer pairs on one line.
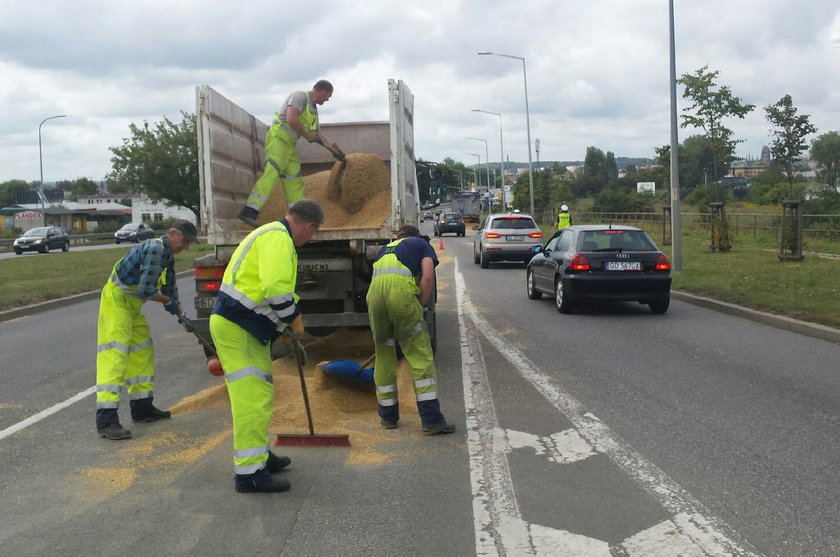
{"points": [[209, 279], [662, 263], [579, 263]]}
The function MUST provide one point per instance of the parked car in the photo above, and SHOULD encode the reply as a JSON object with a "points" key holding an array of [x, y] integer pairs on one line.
{"points": [[450, 222], [506, 237], [43, 239], [134, 232], [427, 215], [589, 263]]}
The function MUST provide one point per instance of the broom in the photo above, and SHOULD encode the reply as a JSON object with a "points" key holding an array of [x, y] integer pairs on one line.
{"points": [[302, 439]]}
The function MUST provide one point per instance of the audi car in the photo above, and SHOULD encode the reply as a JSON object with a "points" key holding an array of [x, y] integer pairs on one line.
{"points": [[43, 239], [600, 263], [506, 237]]}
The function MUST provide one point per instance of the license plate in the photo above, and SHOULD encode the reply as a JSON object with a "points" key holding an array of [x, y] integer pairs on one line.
{"points": [[623, 266], [205, 303], [514, 238]]}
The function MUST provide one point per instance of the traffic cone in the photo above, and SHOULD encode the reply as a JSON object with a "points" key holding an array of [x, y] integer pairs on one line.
{"points": [[440, 245]]}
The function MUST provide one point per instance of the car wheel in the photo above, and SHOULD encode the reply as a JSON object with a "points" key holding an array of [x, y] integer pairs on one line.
{"points": [[660, 306], [476, 257], [485, 262], [533, 293], [45, 248], [562, 300], [66, 246], [19, 252]]}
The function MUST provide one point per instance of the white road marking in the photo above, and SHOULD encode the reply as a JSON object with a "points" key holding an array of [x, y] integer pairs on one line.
{"points": [[499, 528], [563, 447], [11, 430]]}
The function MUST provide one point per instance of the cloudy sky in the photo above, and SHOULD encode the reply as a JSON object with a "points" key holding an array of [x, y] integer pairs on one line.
{"points": [[597, 70]]}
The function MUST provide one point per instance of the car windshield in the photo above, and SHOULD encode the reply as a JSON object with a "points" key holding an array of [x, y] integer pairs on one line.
{"points": [[512, 223], [131, 226], [451, 216], [616, 240], [39, 232]]}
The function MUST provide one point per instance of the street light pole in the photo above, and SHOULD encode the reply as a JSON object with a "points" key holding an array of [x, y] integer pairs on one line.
{"points": [[501, 152], [41, 165], [527, 123], [676, 244], [486, 160], [477, 171]]}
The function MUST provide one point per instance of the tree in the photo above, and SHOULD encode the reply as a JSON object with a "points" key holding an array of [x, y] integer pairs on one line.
{"points": [[13, 192], [161, 161], [826, 151], [711, 104], [789, 136], [80, 187]]}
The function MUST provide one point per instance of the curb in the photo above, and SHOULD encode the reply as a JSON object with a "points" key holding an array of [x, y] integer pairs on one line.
{"points": [[23, 311]]}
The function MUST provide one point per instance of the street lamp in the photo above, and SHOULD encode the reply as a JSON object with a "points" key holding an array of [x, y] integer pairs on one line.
{"points": [[477, 171], [41, 164], [502, 153], [676, 241], [527, 123], [486, 161]]}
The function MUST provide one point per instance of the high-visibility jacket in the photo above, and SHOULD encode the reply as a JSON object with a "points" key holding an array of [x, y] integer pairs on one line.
{"points": [[563, 220], [308, 120], [258, 287]]}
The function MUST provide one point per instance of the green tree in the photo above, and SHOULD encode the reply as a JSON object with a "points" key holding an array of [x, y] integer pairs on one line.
{"points": [[710, 105], [79, 188], [825, 149], [13, 192], [788, 136], [161, 161], [610, 167]]}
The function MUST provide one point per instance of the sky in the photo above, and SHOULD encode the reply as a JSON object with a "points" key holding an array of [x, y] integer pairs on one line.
{"points": [[597, 70]]}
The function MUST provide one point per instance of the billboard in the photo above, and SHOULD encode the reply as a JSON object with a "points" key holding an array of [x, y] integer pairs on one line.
{"points": [[644, 187]]}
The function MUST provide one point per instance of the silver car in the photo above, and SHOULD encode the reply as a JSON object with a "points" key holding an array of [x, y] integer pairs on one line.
{"points": [[506, 237]]}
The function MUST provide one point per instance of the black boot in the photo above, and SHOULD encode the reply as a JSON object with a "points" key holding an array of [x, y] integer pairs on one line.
{"points": [[260, 481], [276, 463], [142, 410], [108, 425], [433, 421], [389, 416], [249, 216]]}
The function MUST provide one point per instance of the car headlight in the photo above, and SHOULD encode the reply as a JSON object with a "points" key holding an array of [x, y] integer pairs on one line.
{"points": [[38, 241]]}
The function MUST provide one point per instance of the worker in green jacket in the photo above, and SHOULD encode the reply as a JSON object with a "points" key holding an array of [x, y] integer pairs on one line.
{"points": [[564, 219], [402, 283], [256, 305], [299, 118]]}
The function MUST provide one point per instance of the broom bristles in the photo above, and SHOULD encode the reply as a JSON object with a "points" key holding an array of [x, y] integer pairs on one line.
{"points": [[311, 440]]}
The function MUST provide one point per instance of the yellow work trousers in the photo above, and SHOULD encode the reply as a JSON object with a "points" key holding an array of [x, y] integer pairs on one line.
{"points": [[281, 163], [124, 354], [247, 365]]}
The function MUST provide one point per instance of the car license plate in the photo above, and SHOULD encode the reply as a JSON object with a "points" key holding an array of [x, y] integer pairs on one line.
{"points": [[205, 303], [623, 266], [514, 238]]}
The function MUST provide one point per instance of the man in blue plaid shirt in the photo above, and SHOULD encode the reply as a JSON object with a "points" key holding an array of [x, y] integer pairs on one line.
{"points": [[125, 354]]}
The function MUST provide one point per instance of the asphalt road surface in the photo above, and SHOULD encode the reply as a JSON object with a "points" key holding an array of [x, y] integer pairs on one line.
{"points": [[610, 431]]}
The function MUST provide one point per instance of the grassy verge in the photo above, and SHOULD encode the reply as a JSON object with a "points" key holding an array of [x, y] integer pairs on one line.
{"points": [[30, 279]]}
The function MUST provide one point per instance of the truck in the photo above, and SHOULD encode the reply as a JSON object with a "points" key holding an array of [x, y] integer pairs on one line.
{"points": [[335, 268], [468, 203]]}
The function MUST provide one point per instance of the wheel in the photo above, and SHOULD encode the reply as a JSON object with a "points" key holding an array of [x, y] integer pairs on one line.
{"points": [[485, 263], [19, 252], [66, 246], [45, 248], [533, 293], [437, 232], [117, 241], [561, 300], [476, 257], [660, 306]]}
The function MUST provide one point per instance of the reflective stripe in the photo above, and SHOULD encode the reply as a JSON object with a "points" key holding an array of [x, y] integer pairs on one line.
{"points": [[425, 383], [249, 469], [250, 372], [113, 345], [276, 166], [141, 379], [392, 271], [422, 397], [253, 451], [281, 300], [107, 405], [250, 304], [386, 388], [109, 388], [256, 196], [416, 329], [387, 402], [142, 346], [386, 342], [141, 394], [292, 176]]}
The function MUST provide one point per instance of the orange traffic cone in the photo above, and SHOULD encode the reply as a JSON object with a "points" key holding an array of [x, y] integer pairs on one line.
{"points": [[440, 245]]}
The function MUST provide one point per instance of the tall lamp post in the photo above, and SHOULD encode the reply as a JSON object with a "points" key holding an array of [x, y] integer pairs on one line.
{"points": [[501, 152], [527, 123], [41, 164], [477, 171], [676, 242], [486, 160]]}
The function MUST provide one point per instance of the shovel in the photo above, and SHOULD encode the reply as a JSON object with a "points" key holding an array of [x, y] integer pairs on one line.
{"points": [[213, 364]]}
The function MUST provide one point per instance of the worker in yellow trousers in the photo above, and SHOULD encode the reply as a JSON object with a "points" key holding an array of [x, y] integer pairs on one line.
{"points": [[256, 305], [299, 118], [403, 278], [125, 354]]}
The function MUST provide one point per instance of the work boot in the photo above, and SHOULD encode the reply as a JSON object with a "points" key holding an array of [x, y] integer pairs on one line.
{"points": [[438, 429], [260, 481], [276, 463], [432, 419], [114, 431], [142, 410], [388, 424], [249, 216]]}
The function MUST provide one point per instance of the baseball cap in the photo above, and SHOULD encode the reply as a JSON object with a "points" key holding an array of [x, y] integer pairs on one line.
{"points": [[187, 228]]}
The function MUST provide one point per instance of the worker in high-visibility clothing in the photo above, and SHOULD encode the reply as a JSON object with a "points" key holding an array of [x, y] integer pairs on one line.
{"points": [[256, 305], [124, 353], [564, 219], [402, 283], [299, 118]]}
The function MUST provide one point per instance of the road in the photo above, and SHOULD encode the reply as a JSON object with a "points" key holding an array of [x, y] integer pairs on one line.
{"points": [[609, 431]]}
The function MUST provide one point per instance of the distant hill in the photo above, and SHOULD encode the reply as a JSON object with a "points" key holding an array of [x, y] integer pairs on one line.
{"points": [[622, 163]]}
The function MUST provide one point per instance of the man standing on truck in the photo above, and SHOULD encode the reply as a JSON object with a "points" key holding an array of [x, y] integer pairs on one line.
{"points": [[299, 117], [124, 353], [404, 269], [258, 296]]}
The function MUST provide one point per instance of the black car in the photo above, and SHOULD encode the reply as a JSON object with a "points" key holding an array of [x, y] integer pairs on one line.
{"points": [[589, 263], [450, 222], [43, 239], [134, 232]]}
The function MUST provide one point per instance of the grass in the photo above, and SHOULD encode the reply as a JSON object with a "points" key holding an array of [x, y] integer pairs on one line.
{"points": [[30, 279]]}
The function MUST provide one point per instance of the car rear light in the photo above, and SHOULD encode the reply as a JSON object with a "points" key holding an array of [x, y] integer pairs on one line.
{"points": [[535, 235], [579, 263], [492, 235], [662, 263], [209, 279]]}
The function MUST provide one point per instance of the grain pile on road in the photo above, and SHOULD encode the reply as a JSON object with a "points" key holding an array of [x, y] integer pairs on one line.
{"points": [[360, 199]]}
